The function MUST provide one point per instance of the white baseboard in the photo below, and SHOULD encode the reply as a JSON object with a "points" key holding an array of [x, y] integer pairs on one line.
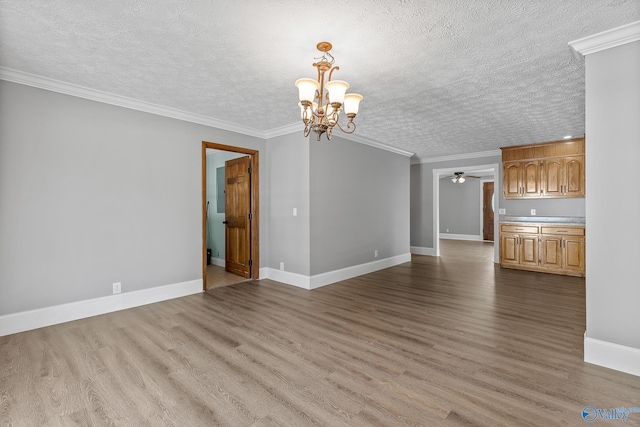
{"points": [[613, 356], [418, 250], [289, 278], [218, 262], [42, 317], [452, 236], [323, 279]]}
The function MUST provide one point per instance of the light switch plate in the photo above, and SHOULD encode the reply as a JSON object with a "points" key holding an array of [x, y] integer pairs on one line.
{"points": [[502, 211]]}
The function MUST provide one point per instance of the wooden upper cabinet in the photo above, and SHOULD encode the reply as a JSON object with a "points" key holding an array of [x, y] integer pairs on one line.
{"points": [[547, 170]]}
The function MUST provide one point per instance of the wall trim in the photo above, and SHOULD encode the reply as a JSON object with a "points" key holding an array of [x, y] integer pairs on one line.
{"points": [[611, 355], [122, 101], [607, 39], [324, 279], [418, 250], [373, 143], [452, 236], [219, 262], [48, 316], [53, 85], [465, 156]]}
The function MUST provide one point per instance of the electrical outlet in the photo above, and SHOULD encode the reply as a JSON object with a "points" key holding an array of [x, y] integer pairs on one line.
{"points": [[117, 288], [282, 266], [375, 253], [447, 230], [533, 212], [502, 211]]}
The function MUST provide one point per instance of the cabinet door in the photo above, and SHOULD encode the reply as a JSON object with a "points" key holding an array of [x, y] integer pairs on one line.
{"points": [[552, 178], [530, 178], [574, 176], [551, 252], [574, 254], [509, 253], [511, 180], [529, 249]]}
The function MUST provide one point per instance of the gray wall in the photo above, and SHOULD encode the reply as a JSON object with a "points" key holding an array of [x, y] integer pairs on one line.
{"points": [[613, 146], [422, 195], [460, 207], [288, 176], [216, 230], [422, 198], [359, 203], [92, 194]]}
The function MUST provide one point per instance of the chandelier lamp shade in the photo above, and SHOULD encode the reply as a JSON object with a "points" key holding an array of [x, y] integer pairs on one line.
{"points": [[321, 102]]}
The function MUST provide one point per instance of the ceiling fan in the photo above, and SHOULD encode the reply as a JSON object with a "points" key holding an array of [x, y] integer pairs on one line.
{"points": [[459, 177]]}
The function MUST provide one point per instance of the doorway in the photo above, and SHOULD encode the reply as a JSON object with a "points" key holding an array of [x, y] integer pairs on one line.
{"points": [[243, 246], [490, 170], [488, 208]]}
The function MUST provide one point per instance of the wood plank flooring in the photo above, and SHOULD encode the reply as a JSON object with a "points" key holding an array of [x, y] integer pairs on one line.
{"points": [[454, 340]]}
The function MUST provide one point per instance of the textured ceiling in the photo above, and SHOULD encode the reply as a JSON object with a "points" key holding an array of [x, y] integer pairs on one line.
{"points": [[439, 77]]}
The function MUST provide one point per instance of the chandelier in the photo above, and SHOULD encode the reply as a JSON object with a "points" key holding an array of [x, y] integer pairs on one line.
{"points": [[320, 103]]}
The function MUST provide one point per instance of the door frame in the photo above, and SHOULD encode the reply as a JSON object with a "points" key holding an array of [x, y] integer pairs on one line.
{"points": [[439, 173], [482, 181], [255, 218]]}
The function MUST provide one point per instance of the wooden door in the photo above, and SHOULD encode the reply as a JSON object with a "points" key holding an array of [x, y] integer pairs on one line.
{"points": [[509, 253], [574, 175], [529, 249], [531, 179], [511, 180], [237, 216], [574, 254], [487, 211], [551, 252], [553, 178]]}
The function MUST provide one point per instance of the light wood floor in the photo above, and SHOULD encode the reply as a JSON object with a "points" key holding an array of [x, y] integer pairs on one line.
{"points": [[438, 341], [217, 276]]}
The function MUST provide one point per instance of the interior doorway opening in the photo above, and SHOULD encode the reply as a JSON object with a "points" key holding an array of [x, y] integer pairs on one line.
{"points": [[491, 170], [230, 214]]}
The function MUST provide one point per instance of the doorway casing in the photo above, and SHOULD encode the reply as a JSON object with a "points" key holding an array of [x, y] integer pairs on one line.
{"points": [[439, 173], [255, 230]]}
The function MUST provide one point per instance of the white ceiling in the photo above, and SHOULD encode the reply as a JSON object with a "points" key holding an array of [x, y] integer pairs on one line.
{"points": [[439, 77]]}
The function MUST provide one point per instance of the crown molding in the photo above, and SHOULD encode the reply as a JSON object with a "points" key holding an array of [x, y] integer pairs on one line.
{"points": [[607, 39], [373, 143], [458, 157], [284, 130], [122, 101], [53, 85]]}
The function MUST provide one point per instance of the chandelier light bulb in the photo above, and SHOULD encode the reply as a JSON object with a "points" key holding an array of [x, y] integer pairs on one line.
{"points": [[337, 89], [351, 103], [307, 89]]}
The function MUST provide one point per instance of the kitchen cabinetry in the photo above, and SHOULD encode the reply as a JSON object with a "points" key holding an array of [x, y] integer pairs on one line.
{"points": [[547, 170], [519, 245], [550, 248]]}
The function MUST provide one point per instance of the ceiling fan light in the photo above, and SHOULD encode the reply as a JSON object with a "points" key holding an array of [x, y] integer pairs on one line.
{"points": [[454, 179], [336, 89], [461, 179], [352, 103], [307, 89]]}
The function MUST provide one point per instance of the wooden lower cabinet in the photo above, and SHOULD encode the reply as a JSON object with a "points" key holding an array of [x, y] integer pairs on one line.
{"points": [[548, 248]]}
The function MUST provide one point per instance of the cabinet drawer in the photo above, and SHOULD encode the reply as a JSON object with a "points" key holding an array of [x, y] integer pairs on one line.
{"points": [[512, 228], [566, 231]]}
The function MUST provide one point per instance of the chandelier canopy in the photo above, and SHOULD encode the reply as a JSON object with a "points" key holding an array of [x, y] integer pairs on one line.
{"points": [[320, 103]]}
